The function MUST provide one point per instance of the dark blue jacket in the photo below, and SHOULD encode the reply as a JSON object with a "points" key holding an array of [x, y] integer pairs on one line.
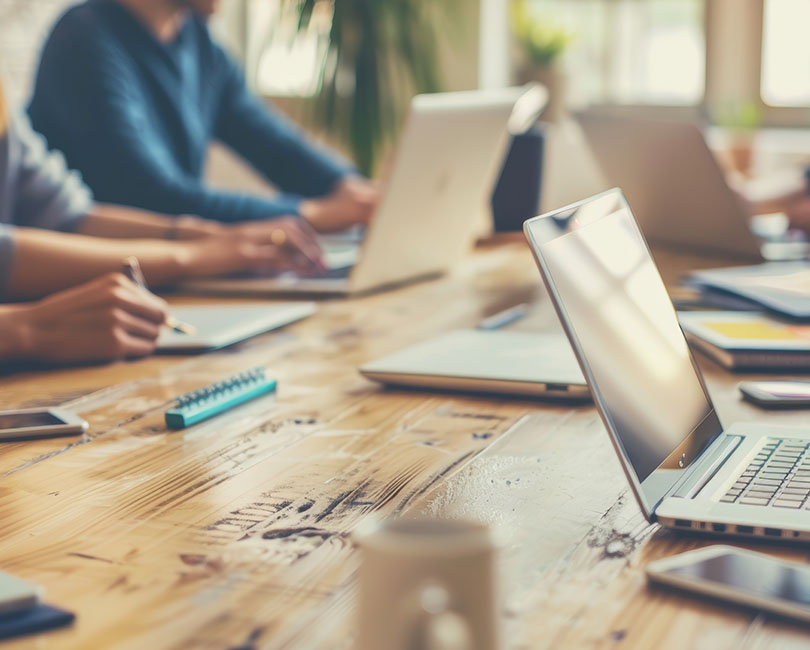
{"points": [[136, 116]]}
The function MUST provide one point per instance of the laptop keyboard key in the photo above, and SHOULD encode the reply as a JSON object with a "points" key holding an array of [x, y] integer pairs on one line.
{"points": [[766, 482], [782, 503], [754, 501]]}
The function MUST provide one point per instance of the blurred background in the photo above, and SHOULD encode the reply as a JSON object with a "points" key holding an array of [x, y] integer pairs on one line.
{"points": [[346, 68]]}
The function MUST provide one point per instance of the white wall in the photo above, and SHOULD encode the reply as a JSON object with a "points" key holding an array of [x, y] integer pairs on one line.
{"points": [[24, 25]]}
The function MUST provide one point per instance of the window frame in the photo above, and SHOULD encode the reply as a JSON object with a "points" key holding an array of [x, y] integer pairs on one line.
{"points": [[734, 38]]}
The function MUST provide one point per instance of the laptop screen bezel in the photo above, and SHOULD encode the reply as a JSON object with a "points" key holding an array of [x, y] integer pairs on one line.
{"points": [[652, 490]]}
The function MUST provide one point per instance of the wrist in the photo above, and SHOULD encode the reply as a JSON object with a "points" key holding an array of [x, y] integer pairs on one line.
{"points": [[309, 210], [189, 227], [204, 258], [185, 260]]}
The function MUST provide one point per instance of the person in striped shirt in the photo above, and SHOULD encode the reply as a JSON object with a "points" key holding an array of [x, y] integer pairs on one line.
{"points": [[59, 253]]}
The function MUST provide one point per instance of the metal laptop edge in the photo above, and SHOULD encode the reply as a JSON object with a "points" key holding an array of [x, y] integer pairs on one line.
{"points": [[688, 501]]}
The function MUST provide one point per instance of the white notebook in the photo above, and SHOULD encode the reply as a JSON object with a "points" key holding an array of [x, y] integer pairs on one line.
{"points": [[224, 324]]}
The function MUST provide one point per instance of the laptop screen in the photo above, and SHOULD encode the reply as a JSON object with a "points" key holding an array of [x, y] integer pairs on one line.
{"points": [[623, 327]]}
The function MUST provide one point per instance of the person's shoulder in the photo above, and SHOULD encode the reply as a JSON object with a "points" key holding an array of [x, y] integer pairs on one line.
{"points": [[83, 28], [83, 19]]}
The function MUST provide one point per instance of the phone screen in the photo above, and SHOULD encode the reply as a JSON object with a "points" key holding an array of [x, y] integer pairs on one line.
{"points": [[26, 420], [784, 389], [754, 575], [16, 594]]}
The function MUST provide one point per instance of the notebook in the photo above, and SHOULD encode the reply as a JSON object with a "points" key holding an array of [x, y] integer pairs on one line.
{"points": [[223, 324], [486, 361], [781, 287], [748, 340]]}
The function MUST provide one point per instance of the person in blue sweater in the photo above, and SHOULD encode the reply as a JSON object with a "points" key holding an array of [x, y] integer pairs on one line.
{"points": [[134, 91]]}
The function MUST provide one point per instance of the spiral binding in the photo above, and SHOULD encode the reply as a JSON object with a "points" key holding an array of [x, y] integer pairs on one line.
{"points": [[245, 379]]}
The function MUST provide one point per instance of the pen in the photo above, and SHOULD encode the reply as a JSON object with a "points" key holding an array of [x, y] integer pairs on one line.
{"points": [[132, 269], [505, 317]]}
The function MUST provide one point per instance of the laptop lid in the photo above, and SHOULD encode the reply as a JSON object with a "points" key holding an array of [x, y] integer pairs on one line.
{"points": [[673, 181], [437, 194], [502, 361], [614, 307]]}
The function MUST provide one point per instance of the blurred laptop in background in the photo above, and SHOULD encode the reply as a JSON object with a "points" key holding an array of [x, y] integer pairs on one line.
{"points": [[678, 190], [451, 148]]}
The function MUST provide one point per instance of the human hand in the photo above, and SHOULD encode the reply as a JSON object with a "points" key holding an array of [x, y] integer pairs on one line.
{"points": [[256, 246], [352, 202], [798, 212], [108, 318], [296, 241]]}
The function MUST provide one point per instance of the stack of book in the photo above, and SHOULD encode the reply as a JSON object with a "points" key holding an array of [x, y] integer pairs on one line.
{"points": [[742, 340]]}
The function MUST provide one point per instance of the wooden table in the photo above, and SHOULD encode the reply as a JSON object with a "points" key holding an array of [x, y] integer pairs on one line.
{"points": [[236, 533]]}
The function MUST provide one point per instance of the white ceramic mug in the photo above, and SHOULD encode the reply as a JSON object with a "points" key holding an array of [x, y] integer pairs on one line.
{"points": [[428, 584]]}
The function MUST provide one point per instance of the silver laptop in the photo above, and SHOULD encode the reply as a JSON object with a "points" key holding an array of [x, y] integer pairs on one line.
{"points": [[674, 183], [687, 470], [501, 361], [450, 151]]}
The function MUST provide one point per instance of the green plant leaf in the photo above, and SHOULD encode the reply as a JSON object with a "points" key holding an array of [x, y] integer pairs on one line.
{"points": [[380, 52]]}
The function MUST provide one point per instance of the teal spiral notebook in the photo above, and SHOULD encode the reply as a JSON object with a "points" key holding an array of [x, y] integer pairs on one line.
{"points": [[217, 398]]}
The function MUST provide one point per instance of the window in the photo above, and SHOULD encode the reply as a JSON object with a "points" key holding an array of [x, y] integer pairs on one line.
{"points": [[697, 57], [282, 62], [786, 53], [631, 51]]}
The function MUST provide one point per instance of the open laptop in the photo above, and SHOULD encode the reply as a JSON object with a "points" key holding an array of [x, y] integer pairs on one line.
{"points": [[674, 183], [451, 148], [687, 470], [484, 361]]}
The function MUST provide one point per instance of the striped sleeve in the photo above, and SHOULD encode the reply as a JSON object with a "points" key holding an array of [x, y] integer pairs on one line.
{"points": [[48, 194], [6, 258]]}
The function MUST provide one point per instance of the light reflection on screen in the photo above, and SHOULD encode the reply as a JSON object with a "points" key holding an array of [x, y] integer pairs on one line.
{"points": [[758, 576], [623, 319], [24, 420]]}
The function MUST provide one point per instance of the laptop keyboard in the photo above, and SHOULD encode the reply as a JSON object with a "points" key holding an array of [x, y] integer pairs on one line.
{"points": [[779, 476], [338, 273]]}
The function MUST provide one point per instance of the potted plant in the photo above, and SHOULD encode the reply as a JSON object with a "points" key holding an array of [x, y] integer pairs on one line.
{"points": [[378, 54], [541, 45]]}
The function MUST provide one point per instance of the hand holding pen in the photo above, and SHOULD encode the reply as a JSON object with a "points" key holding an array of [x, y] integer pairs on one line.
{"points": [[132, 269], [105, 319]]}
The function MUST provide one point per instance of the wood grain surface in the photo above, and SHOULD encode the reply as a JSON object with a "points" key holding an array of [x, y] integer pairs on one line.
{"points": [[236, 533]]}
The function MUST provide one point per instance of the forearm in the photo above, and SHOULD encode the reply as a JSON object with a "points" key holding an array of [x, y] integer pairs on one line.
{"points": [[120, 222], [12, 339], [44, 262]]}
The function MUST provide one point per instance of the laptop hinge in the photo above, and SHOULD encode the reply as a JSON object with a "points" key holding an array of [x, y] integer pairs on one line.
{"points": [[707, 467]]}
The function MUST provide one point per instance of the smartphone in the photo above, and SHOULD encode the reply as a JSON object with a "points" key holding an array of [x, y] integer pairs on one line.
{"points": [[777, 393], [39, 423], [745, 577], [17, 595]]}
